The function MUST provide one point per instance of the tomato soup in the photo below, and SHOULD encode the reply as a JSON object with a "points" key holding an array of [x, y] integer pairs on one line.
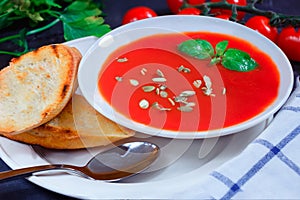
{"points": [[151, 82]]}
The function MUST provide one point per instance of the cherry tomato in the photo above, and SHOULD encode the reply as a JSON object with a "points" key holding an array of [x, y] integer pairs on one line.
{"points": [[175, 5], [223, 16], [218, 11], [189, 11], [262, 25], [289, 41], [196, 2], [138, 13]]}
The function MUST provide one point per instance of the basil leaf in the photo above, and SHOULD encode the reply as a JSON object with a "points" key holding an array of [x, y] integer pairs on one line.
{"points": [[221, 47], [197, 48], [238, 60]]}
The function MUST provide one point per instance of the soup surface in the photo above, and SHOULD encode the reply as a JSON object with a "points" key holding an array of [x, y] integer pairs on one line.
{"points": [[151, 82]]}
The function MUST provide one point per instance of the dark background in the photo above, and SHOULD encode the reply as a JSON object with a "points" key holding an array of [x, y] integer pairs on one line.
{"points": [[114, 11]]}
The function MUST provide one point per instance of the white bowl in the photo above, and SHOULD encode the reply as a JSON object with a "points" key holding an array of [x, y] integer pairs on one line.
{"points": [[92, 61]]}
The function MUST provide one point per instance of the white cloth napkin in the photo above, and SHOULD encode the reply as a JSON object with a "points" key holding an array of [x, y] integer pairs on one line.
{"points": [[269, 168]]}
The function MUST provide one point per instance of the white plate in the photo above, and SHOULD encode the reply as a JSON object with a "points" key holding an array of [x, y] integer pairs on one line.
{"points": [[93, 60], [180, 171], [182, 163]]}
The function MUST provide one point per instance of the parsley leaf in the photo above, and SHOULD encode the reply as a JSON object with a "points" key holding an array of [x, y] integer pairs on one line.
{"points": [[82, 18], [79, 18]]}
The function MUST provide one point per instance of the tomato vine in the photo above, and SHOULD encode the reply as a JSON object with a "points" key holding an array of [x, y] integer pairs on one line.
{"points": [[276, 19]]}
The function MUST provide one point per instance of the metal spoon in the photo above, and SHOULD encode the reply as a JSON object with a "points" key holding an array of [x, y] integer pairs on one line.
{"points": [[112, 165]]}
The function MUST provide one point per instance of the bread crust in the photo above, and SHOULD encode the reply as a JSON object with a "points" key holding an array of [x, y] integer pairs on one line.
{"points": [[77, 126], [35, 87]]}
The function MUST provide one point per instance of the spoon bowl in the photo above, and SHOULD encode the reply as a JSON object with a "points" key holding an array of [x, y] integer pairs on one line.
{"points": [[112, 165]]}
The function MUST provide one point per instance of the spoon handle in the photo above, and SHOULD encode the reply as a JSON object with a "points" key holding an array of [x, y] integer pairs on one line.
{"points": [[26, 172]]}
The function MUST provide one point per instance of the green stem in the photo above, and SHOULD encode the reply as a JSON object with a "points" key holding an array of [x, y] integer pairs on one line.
{"points": [[11, 37], [15, 54], [43, 27], [7, 13]]}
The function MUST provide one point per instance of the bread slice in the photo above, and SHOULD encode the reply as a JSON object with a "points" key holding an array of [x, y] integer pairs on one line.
{"points": [[35, 87], [77, 126]]}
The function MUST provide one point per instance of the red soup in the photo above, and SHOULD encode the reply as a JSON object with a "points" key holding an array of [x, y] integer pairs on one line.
{"points": [[151, 82]]}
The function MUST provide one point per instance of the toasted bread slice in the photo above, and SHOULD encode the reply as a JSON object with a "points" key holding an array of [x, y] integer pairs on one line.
{"points": [[35, 87], [77, 126]]}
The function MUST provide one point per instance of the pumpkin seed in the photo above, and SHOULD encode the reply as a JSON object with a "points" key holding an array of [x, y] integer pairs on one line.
{"points": [[183, 69], [186, 70], [144, 104], [165, 109], [159, 107], [207, 91], [163, 94], [190, 104], [180, 68], [197, 83], [187, 93], [134, 82], [207, 81], [224, 91], [143, 71], [118, 78], [157, 91], [180, 99], [185, 108], [171, 101], [163, 87], [122, 60], [159, 73], [148, 88], [159, 79]]}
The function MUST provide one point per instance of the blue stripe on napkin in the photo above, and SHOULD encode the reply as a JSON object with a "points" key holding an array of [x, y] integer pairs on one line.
{"points": [[234, 187], [291, 108], [279, 154], [274, 150]]}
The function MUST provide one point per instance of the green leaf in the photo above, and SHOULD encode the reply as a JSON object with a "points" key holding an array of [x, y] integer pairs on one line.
{"points": [[221, 47], [87, 27], [83, 18], [4, 22], [238, 60], [21, 41], [197, 48], [49, 3], [79, 10], [80, 18]]}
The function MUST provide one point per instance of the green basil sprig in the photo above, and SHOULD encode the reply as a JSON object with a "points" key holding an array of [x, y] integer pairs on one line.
{"points": [[233, 59]]}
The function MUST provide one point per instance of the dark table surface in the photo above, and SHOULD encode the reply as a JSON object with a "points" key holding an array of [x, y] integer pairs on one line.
{"points": [[114, 9]]}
